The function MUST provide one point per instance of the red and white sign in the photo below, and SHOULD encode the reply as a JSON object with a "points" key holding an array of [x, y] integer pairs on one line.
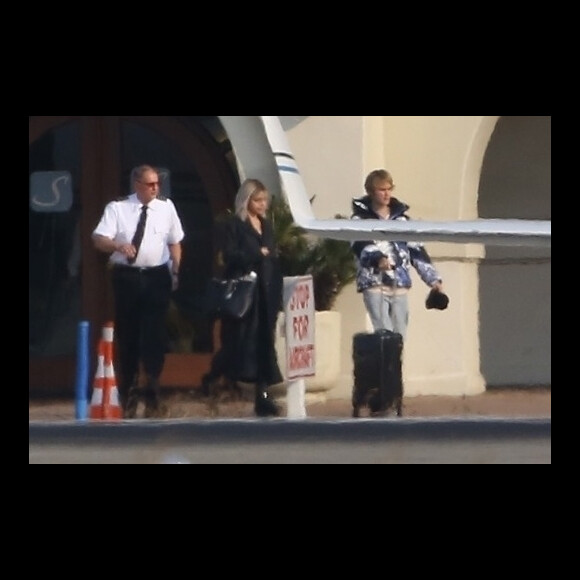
{"points": [[300, 327]]}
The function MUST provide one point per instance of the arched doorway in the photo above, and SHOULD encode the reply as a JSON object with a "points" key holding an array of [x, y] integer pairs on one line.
{"points": [[76, 165], [516, 283]]}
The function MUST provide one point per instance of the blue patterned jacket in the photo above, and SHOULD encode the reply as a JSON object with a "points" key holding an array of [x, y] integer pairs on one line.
{"points": [[403, 255]]}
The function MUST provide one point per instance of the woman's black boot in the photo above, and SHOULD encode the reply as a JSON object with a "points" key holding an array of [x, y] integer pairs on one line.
{"points": [[264, 406]]}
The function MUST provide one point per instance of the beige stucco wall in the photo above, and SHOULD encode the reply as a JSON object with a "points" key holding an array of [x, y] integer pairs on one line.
{"points": [[432, 161], [437, 165]]}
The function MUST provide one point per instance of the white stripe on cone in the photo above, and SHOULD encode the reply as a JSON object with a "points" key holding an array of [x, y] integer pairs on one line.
{"points": [[96, 409], [111, 403]]}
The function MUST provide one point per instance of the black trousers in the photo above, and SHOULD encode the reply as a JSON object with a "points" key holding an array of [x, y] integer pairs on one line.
{"points": [[142, 298]]}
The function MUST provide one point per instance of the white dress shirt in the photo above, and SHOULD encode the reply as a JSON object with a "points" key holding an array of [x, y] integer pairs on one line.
{"points": [[163, 228]]}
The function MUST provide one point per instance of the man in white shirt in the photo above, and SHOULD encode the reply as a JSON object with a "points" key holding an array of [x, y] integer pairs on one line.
{"points": [[143, 235]]}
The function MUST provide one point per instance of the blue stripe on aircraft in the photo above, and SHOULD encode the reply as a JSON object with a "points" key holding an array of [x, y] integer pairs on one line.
{"points": [[288, 169]]}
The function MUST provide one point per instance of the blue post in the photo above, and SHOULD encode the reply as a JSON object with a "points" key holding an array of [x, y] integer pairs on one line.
{"points": [[82, 379]]}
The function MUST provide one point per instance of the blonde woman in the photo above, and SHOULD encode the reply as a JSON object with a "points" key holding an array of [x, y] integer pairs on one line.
{"points": [[248, 352]]}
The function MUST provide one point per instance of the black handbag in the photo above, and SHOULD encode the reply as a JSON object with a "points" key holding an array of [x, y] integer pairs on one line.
{"points": [[231, 297]]}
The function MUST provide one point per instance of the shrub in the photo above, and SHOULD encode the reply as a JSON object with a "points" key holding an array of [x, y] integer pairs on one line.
{"points": [[330, 262]]}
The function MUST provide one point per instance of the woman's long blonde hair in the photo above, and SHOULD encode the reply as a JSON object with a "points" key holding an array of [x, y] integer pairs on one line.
{"points": [[248, 189]]}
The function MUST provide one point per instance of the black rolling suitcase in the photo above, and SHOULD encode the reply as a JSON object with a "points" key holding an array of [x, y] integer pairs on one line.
{"points": [[378, 376]]}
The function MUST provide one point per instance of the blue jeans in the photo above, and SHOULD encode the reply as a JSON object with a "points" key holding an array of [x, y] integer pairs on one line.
{"points": [[388, 312]]}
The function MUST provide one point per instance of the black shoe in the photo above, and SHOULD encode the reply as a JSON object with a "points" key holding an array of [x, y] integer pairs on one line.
{"points": [[264, 406], [154, 408], [130, 410]]}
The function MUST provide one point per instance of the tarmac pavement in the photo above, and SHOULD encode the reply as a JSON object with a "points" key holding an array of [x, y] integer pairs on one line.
{"points": [[182, 404], [498, 427]]}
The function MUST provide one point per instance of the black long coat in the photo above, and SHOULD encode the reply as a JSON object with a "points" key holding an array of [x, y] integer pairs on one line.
{"points": [[248, 346]]}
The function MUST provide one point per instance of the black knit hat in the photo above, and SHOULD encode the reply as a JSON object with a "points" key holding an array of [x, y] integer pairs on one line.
{"points": [[437, 300]]}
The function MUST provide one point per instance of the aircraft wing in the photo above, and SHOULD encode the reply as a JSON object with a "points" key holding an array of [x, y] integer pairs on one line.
{"points": [[496, 232]]}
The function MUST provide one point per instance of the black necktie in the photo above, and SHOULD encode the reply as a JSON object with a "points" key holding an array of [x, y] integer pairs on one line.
{"points": [[138, 237]]}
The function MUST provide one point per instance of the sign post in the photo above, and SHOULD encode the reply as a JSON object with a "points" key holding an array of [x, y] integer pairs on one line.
{"points": [[299, 311]]}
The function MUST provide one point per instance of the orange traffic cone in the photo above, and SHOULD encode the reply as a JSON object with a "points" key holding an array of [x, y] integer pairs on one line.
{"points": [[112, 409], [96, 408]]}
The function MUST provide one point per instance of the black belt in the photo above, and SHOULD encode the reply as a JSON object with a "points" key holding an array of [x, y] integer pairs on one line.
{"points": [[139, 270]]}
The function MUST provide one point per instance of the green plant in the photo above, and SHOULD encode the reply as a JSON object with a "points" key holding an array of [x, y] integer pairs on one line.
{"points": [[330, 262]]}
